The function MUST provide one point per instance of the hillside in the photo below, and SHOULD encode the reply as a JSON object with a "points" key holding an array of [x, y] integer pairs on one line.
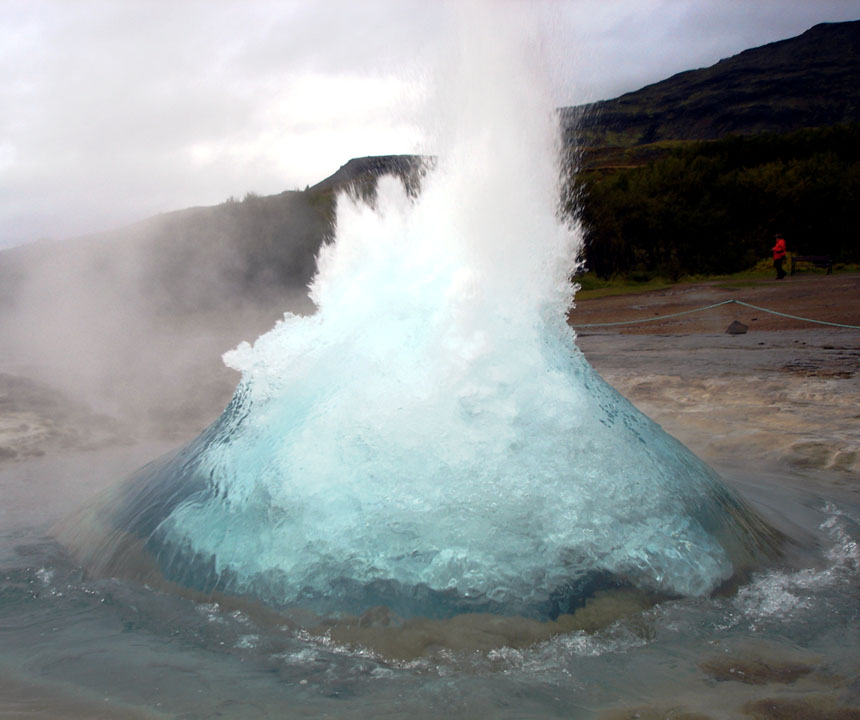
{"points": [[723, 158], [812, 80], [265, 242]]}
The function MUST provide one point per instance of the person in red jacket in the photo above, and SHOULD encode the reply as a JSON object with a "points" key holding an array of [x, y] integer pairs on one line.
{"points": [[779, 256]]}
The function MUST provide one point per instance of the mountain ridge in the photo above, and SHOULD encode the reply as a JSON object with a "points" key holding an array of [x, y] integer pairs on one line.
{"points": [[806, 81]]}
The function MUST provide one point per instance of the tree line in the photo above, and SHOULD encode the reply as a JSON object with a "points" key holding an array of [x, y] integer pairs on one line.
{"points": [[714, 207]]}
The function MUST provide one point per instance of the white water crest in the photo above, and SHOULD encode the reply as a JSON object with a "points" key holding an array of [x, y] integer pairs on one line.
{"points": [[431, 439]]}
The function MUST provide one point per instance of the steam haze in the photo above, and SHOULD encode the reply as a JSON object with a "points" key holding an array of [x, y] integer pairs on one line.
{"points": [[117, 111], [132, 325]]}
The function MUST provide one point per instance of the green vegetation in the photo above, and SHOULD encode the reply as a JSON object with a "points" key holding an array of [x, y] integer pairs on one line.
{"points": [[592, 286], [712, 208]]}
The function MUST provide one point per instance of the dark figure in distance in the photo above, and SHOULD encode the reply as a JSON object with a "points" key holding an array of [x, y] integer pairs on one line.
{"points": [[779, 256]]}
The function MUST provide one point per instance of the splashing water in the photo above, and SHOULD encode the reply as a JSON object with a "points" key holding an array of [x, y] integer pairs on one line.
{"points": [[431, 439]]}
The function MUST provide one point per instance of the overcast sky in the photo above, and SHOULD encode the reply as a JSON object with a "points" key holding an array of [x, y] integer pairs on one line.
{"points": [[115, 110]]}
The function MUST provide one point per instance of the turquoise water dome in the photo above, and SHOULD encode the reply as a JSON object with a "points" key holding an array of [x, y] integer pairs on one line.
{"points": [[431, 439]]}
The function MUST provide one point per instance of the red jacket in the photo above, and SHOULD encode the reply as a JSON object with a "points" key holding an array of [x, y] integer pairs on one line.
{"points": [[779, 249]]}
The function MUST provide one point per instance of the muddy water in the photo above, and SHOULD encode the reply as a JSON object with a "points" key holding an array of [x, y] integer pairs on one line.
{"points": [[788, 399]]}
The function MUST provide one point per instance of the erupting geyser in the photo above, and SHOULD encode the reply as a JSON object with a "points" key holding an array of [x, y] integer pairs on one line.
{"points": [[431, 439]]}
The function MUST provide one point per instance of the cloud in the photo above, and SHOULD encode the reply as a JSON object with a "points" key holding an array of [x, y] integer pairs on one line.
{"points": [[114, 111], [133, 106]]}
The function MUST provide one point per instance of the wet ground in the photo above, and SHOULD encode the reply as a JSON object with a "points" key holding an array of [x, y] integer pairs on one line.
{"points": [[785, 393], [787, 399], [776, 410], [829, 298]]}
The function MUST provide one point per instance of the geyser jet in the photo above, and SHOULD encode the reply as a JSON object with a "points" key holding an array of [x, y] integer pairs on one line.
{"points": [[431, 439]]}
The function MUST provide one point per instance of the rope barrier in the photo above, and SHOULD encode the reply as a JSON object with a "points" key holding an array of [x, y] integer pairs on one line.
{"points": [[710, 307]]}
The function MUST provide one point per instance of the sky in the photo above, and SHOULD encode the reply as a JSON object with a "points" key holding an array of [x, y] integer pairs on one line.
{"points": [[117, 110]]}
